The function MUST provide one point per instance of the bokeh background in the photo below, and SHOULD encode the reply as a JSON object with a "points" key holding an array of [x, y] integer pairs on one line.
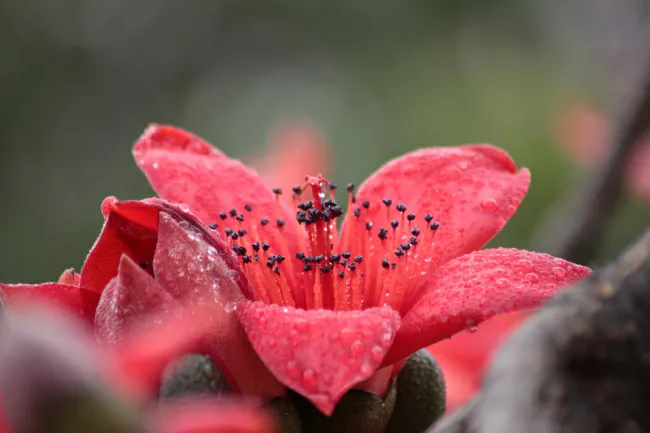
{"points": [[81, 79]]}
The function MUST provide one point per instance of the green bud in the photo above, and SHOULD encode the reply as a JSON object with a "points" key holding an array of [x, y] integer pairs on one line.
{"points": [[420, 395], [192, 374], [288, 420], [357, 412]]}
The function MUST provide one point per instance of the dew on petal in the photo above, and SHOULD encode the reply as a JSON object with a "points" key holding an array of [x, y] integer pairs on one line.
{"points": [[558, 272], [292, 369], [502, 283], [489, 205], [386, 339], [309, 379], [524, 265], [302, 325], [347, 335], [532, 277], [377, 353], [356, 349]]}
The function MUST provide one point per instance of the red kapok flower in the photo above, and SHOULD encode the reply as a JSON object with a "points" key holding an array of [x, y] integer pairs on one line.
{"points": [[324, 312], [297, 147], [586, 134]]}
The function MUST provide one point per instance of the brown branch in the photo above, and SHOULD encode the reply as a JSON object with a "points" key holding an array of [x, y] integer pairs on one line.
{"points": [[575, 230], [582, 364]]}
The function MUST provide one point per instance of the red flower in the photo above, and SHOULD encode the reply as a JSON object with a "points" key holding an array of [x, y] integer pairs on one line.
{"points": [[464, 357], [296, 148], [324, 313], [586, 134]]}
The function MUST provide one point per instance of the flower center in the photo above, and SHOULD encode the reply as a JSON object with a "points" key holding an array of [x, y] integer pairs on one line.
{"points": [[380, 258]]}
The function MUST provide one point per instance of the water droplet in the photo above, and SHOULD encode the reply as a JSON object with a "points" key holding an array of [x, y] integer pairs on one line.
{"points": [[366, 369], [559, 273], [231, 307], [385, 339], [347, 335], [184, 225], [271, 342], [184, 207], [302, 325], [356, 349], [155, 165], [471, 326], [321, 194], [292, 369], [309, 379], [502, 283], [408, 170], [377, 353], [294, 337], [525, 265], [532, 277], [489, 205], [427, 260]]}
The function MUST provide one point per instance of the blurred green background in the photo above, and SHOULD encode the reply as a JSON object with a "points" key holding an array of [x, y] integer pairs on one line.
{"points": [[81, 79]]}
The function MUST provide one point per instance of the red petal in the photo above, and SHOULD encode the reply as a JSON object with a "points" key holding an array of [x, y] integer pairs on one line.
{"points": [[209, 183], [477, 286], [132, 229], [145, 353], [127, 301], [212, 416], [464, 357], [161, 137], [70, 277], [189, 268], [79, 301], [319, 353], [471, 191], [120, 236]]}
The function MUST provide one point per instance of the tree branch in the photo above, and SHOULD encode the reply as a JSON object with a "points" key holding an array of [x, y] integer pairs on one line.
{"points": [[582, 364], [574, 231]]}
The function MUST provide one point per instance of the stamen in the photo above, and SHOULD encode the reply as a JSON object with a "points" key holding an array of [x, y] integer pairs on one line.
{"points": [[387, 202], [332, 187], [352, 198], [223, 215]]}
